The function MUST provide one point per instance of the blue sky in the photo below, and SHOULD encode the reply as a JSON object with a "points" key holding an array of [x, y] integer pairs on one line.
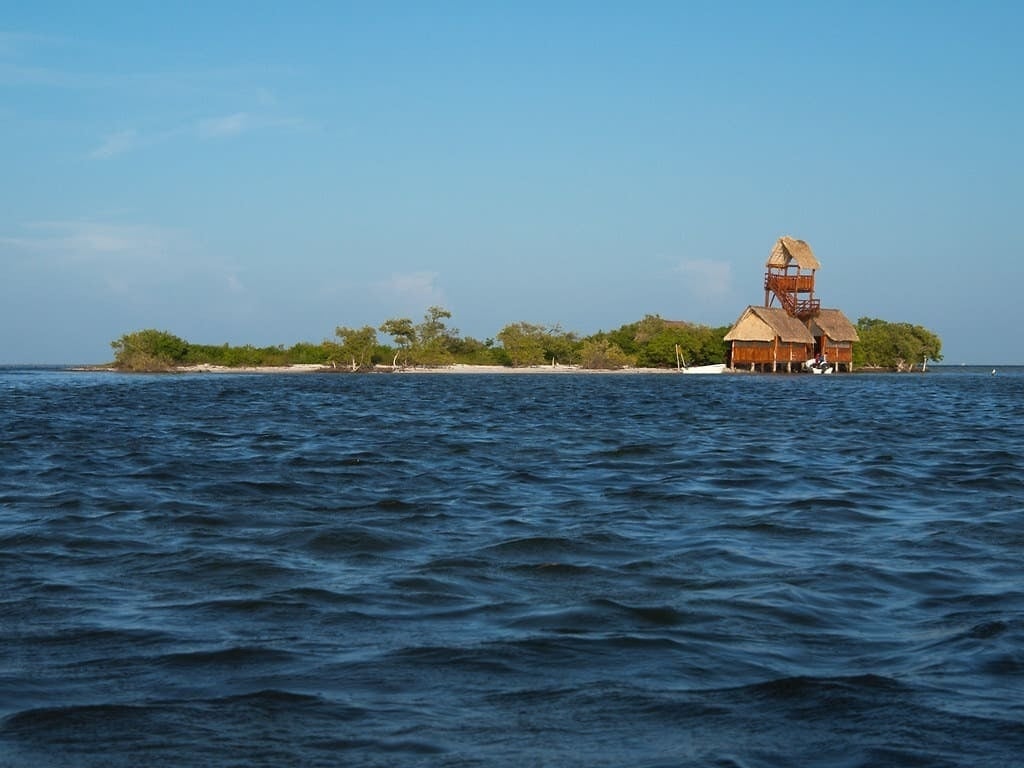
{"points": [[263, 172]]}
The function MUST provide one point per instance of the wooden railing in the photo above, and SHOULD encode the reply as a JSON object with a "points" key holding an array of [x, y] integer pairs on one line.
{"points": [[787, 287], [789, 283]]}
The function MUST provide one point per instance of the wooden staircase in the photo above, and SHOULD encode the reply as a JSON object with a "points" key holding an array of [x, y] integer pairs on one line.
{"points": [[785, 289]]}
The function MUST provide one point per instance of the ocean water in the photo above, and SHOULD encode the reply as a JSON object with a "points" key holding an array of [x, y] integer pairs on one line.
{"points": [[529, 570]]}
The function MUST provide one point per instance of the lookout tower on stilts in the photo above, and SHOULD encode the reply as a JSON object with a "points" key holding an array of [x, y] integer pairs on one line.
{"points": [[789, 278], [796, 330]]}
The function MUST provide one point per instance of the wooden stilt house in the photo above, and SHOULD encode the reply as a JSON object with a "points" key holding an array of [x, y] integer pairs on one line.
{"points": [[834, 336], [798, 328], [767, 338]]}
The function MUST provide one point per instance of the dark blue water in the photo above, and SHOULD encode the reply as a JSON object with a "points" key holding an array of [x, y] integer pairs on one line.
{"points": [[579, 570]]}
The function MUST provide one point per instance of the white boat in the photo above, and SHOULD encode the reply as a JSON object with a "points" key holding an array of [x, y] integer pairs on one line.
{"points": [[682, 366], [716, 368], [814, 366]]}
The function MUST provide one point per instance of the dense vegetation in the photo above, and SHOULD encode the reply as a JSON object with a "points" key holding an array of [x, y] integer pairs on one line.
{"points": [[651, 343], [894, 345]]}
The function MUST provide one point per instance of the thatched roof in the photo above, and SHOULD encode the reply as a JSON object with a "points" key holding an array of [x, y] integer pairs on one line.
{"points": [[835, 325], [765, 323], [789, 249]]}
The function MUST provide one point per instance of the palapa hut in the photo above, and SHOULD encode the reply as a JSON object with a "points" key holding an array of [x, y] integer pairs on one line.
{"points": [[797, 329], [769, 336], [834, 336]]}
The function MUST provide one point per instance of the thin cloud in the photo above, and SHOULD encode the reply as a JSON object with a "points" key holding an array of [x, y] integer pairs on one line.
{"points": [[266, 97], [234, 285], [19, 47], [116, 144], [18, 75], [411, 289], [206, 129], [245, 122], [706, 277], [85, 240], [131, 261], [18, 68], [225, 126]]}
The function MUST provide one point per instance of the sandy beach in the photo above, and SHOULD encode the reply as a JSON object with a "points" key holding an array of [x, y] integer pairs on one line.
{"points": [[461, 368], [458, 368]]}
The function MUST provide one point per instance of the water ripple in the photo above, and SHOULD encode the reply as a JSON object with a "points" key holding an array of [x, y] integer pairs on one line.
{"points": [[489, 570]]}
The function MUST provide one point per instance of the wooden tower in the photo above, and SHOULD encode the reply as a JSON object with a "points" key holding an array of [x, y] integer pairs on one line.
{"points": [[789, 278]]}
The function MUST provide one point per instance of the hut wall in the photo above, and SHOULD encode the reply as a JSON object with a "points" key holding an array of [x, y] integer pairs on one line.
{"points": [[768, 352], [747, 352], [838, 351], [793, 352]]}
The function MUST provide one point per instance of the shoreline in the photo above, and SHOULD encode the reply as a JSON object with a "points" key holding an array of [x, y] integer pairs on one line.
{"points": [[453, 369], [465, 368]]}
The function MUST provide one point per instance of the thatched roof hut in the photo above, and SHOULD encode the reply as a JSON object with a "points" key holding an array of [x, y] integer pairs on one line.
{"points": [[768, 324], [834, 336], [833, 324], [789, 251], [764, 336]]}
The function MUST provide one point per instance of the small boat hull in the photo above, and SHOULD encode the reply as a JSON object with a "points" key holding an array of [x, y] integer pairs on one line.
{"points": [[705, 369]]}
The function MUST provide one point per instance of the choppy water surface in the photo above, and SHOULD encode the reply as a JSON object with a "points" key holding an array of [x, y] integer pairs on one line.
{"points": [[629, 570]]}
